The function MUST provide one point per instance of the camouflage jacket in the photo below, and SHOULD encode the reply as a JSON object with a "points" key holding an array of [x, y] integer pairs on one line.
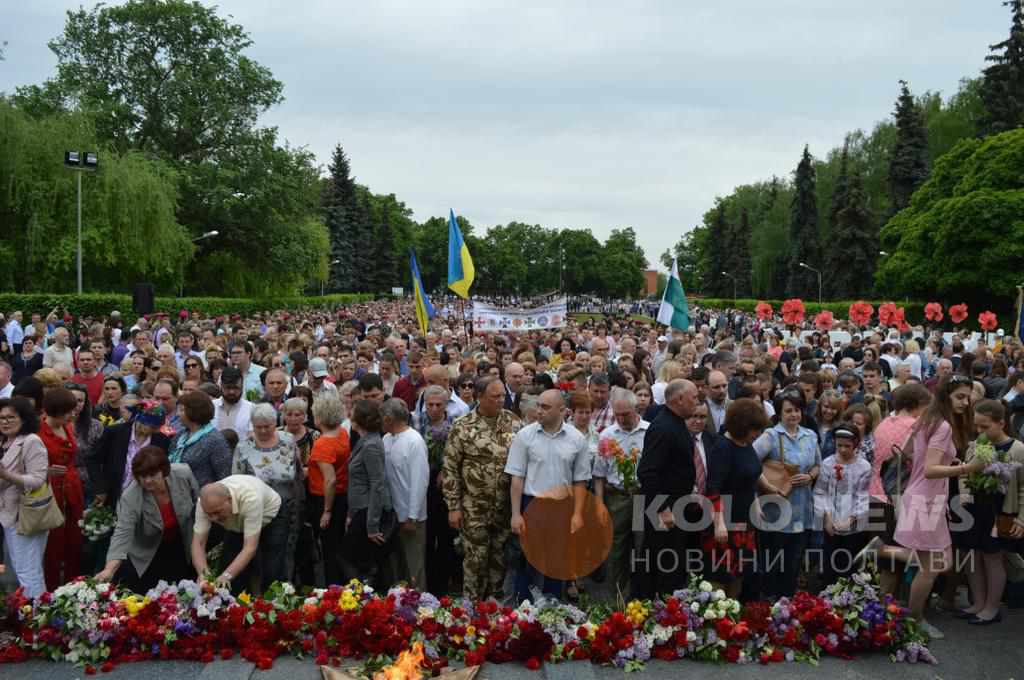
{"points": [[474, 461]]}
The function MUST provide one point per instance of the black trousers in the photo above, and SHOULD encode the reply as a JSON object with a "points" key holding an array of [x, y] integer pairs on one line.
{"points": [[328, 541], [270, 562], [169, 564], [362, 558], [780, 558], [441, 560]]}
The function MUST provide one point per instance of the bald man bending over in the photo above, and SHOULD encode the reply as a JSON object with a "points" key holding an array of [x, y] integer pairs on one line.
{"points": [[667, 472], [248, 510]]}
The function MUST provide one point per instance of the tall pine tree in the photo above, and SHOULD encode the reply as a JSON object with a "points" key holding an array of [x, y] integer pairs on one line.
{"points": [[853, 245], [739, 254], [715, 284], [834, 259], [386, 274], [804, 240], [908, 167], [1002, 84], [338, 200]]}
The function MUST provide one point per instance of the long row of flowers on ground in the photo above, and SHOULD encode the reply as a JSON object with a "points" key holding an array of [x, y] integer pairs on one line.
{"points": [[98, 625]]}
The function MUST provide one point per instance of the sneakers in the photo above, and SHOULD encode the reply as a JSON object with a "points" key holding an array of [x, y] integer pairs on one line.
{"points": [[931, 631]]}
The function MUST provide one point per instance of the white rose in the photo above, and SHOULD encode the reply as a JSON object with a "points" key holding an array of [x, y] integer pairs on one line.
{"points": [[718, 595], [735, 606], [695, 607], [711, 614], [691, 636], [706, 587]]}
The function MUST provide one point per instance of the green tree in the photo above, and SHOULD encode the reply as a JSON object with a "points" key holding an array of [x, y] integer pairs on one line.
{"points": [[580, 261], [623, 264], [1002, 86], [908, 168], [853, 246], [165, 76], [339, 198], [962, 237], [739, 257], [714, 283], [690, 252], [803, 232], [129, 230]]}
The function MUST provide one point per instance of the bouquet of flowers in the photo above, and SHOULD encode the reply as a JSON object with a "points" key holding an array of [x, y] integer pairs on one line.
{"points": [[997, 473], [97, 522], [609, 449], [436, 438]]}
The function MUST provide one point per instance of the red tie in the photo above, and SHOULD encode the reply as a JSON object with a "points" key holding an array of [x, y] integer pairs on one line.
{"points": [[698, 463]]}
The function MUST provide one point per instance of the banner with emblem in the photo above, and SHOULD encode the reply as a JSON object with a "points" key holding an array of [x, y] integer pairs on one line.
{"points": [[491, 318]]}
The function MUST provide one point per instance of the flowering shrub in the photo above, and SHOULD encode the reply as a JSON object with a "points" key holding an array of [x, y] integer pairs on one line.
{"points": [[99, 625]]}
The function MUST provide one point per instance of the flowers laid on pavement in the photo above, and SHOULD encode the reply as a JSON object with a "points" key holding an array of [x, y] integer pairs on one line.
{"points": [[98, 625]]}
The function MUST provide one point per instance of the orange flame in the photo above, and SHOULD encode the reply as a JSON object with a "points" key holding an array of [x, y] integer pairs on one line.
{"points": [[406, 667]]}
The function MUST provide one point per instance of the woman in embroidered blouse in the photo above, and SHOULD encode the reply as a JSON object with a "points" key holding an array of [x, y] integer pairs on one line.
{"points": [[199, 444], [62, 561], [783, 544], [841, 501]]}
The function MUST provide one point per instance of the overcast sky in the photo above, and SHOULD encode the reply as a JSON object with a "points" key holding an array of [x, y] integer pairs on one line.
{"points": [[585, 115]]}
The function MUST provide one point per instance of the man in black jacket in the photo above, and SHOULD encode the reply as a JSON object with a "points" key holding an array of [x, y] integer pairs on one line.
{"points": [[667, 472]]}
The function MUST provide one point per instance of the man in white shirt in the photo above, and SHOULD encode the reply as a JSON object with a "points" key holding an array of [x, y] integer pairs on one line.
{"points": [[58, 352], [548, 459], [15, 333], [408, 475], [232, 411], [6, 386], [628, 433]]}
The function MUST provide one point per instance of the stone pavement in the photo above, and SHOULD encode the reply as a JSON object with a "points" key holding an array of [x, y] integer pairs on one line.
{"points": [[967, 653]]}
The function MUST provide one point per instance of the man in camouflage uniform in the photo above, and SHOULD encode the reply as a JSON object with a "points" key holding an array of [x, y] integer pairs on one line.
{"points": [[476, 488]]}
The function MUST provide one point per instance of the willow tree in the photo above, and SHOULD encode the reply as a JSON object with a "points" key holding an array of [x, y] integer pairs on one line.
{"points": [[129, 229]]}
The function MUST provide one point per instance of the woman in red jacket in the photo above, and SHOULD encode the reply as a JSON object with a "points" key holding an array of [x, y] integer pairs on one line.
{"points": [[62, 560]]}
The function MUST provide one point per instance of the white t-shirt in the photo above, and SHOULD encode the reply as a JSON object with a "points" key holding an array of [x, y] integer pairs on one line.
{"points": [[53, 356], [408, 474]]}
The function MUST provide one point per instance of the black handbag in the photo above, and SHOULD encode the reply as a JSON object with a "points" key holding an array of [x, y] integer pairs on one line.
{"points": [[895, 471]]}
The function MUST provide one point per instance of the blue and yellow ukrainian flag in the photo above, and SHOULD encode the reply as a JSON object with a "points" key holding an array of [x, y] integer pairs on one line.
{"points": [[460, 264], [424, 310]]}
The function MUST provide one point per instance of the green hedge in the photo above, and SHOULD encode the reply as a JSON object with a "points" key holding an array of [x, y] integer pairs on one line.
{"points": [[101, 304]]}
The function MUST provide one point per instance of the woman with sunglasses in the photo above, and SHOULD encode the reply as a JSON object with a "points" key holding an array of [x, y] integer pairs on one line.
{"points": [[194, 370], [466, 389]]}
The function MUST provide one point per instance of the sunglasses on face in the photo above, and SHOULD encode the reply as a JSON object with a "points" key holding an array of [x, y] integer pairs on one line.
{"points": [[192, 365]]}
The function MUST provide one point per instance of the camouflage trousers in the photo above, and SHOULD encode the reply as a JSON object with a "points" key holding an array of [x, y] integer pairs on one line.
{"points": [[483, 547]]}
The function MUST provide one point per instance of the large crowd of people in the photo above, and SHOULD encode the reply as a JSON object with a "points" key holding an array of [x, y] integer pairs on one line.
{"points": [[316, 446]]}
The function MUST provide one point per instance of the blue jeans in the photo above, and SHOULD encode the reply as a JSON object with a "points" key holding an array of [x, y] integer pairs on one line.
{"points": [[526, 576]]}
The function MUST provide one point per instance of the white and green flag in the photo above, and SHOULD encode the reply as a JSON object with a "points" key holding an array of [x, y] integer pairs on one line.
{"points": [[674, 311]]}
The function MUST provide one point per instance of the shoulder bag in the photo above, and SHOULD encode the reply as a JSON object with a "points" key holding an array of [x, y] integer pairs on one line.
{"points": [[39, 511], [895, 471], [779, 473]]}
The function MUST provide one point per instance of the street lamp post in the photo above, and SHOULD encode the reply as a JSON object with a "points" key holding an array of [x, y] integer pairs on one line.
{"points": [[324, 280], [197, 239], [80, 161], [818, 272], [733, 284]]}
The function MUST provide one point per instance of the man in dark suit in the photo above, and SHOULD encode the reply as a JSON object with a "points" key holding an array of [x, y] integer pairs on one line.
{"points": [[667, 472], [109, 465]]}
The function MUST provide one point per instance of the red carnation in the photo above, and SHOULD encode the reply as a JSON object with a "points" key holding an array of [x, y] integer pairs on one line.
{"points": [[887, 314], [958, 313], [933, 311], [732, 653], [533, 663], [861, 312], [763, 310], [987, 321], [793, 311], [107, 666], [824, 320], [90, 669]]}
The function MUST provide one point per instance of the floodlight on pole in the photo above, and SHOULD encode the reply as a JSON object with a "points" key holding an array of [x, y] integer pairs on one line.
{"points": [[80, 161], [733, 283], [816, 271]]}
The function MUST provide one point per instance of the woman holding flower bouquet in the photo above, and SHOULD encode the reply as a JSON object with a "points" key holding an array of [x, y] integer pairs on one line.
{"points": [[154, 524], [997, 506]]}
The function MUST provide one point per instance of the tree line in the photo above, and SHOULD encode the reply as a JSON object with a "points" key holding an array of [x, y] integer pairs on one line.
{"points": [[858, 213], [166, 94]]}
